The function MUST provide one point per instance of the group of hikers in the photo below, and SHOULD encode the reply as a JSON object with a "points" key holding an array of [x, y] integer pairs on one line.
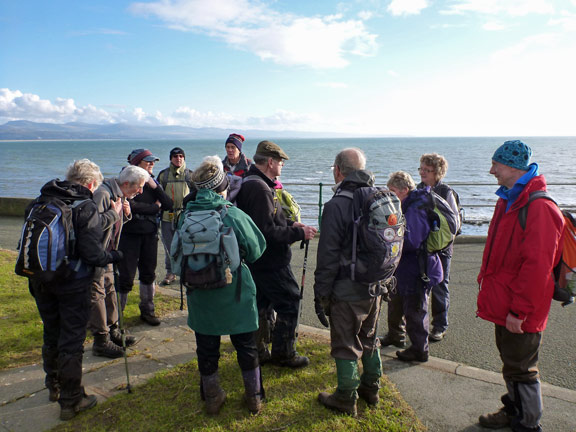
{"points": [[255, 297]]}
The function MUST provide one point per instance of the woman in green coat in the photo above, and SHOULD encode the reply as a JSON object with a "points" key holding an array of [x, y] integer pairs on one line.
{"points": [[217, 312]]}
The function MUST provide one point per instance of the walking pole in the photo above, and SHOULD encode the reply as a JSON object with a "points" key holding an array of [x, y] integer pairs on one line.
{"points": [[303, 244], [122, 329]]}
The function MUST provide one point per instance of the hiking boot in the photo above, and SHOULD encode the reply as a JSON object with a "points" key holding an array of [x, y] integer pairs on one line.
{"points": [[212, 393], [294, 362], [264, 356], [517, 427], [168, 279], [436, 335], [498, 420], [253, 390], [116, 337], [104, 347], [53, 394], [85, 403], [150, 318], [369, 394], [331, 401], [389, 340], [253, 403], [409, 355]]}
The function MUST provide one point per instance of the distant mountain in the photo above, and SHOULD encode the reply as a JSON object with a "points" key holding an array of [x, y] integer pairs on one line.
{"points": [[27, 130]]}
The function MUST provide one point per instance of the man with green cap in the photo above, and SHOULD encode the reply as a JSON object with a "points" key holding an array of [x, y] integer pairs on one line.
{"points": [[516, 282], [275, 283]]}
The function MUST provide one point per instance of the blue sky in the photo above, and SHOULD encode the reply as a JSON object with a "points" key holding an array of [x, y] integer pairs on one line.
{"points": [[370, 67]]}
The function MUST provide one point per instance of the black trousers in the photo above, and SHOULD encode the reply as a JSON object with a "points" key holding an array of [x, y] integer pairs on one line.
{"points": [[140, 252], [65, 317], [208, 352], [278, 288]]}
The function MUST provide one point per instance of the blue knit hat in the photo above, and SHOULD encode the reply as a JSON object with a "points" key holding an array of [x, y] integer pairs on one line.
{"points": [[515, 154]]}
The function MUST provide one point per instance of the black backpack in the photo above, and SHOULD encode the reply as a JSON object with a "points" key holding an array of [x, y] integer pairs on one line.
{"points": [[47, 246], [378, 234]]}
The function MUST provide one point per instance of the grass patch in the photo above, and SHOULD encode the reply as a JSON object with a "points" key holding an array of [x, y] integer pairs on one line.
{"points": [[20, 323], [171, 401]]}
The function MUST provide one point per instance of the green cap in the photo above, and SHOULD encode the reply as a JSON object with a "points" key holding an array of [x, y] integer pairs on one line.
{"points": [[271, 149]]}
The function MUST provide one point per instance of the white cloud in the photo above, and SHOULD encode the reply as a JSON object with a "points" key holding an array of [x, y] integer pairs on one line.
{"points": [[497, 7], [365, 15], [407, 7], [15, 105], [317, 42]]}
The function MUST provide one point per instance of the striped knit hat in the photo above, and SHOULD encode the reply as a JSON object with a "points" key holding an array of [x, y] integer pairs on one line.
{"points": [[210, 175]]}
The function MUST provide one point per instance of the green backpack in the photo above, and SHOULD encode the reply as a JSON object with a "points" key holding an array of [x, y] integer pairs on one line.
{"points": [[443, 223], [289, 205]]}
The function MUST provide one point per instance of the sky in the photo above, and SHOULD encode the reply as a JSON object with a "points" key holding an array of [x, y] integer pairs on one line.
{"points": [[358, 67]]}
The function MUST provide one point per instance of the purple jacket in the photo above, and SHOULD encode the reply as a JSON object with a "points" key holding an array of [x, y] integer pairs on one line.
{"points": [[417, 229]]}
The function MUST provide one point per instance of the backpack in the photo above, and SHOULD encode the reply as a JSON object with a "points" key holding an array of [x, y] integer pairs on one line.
{"points": [[377, 234], [204, 252], [286, 201], [443, 190], [289, 205], [47, 246], [163, 178], [443, 223], [565, 270]]}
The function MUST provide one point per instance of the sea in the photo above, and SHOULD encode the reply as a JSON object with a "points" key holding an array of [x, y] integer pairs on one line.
{"points": [[26, 165]]}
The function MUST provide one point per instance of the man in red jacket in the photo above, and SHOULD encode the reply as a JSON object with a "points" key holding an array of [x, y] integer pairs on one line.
{"points": [[516, 283]]}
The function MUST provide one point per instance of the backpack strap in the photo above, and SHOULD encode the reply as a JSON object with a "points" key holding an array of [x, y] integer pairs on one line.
{"points": [[163, 177], [523, 213], [223, 210]]}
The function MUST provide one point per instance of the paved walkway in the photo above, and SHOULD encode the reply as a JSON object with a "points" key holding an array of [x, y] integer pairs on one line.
{"points": [[445, 395]]}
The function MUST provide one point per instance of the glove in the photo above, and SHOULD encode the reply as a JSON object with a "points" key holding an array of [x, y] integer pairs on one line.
{"points": [[117, 256], [320, 311]]}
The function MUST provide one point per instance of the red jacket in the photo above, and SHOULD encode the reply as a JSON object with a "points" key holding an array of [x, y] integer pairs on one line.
{"points": [[516, 273]]}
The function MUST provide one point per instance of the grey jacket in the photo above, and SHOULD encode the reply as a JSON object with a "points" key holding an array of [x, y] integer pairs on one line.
{"points": [[108, 192], [335, 244]]}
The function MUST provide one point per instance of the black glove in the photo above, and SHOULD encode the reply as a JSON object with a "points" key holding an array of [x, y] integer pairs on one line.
{"points": [[117, 256], [320, 312]]}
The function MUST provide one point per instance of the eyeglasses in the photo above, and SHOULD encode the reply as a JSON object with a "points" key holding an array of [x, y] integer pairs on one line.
{"points": [[178, 156], [426, 170], [280, 161]]}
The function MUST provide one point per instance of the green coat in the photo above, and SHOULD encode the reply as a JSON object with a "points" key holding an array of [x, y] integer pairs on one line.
{"points": [[216, 312]]}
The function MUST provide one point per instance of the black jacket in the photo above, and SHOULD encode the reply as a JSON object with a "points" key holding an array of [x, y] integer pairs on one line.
{"points": [[335, 244], [87, 229], [258, 199], [145, 213]]}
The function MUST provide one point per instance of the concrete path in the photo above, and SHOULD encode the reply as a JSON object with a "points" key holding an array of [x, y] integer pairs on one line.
{"points": [[448, 393], [446, 396]]}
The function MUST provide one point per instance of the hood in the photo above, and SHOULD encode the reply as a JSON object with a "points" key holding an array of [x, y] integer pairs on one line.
{"points": [[206, 199], [417, 196], [359, 178], [535, 184], [65, 190]]}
